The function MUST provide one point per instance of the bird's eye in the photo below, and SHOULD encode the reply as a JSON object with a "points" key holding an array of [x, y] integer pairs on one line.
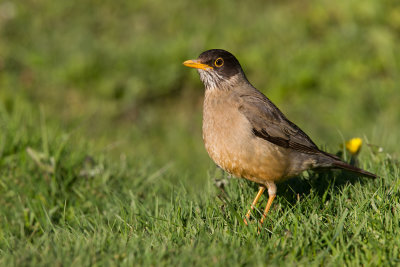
{"points": [[219, 62]]}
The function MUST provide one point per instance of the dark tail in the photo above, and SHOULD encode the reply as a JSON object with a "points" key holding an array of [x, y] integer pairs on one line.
{"points": [[348, 167]]}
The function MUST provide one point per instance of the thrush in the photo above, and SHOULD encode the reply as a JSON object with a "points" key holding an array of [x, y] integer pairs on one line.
{"points": [[248, 136]]}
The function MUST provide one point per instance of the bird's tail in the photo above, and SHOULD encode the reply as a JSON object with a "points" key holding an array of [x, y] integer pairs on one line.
{"points": [[348, 167]]}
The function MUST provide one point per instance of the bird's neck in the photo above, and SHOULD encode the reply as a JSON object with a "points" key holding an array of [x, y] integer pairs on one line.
{"points": [[213, 81]]}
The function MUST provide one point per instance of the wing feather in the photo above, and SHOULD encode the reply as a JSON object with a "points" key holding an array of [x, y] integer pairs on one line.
{"points": [[269, 123]]}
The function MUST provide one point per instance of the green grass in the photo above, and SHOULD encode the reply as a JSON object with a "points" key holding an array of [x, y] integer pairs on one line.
{"points": [[63, 202], [101, 156]]}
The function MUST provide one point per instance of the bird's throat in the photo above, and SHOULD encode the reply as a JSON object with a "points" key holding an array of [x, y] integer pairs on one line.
{"points": [[213, 81]]}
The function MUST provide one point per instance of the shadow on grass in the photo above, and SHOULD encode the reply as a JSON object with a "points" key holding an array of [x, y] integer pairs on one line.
{"points": [[318, 182]]}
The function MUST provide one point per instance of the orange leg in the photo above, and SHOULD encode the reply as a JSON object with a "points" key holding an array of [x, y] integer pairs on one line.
{"points": [[260, 192], [269, 203]]}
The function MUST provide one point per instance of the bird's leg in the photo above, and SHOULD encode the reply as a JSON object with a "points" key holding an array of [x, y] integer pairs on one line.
{"points": [[271, 197], [269, 203], [260, 192]]}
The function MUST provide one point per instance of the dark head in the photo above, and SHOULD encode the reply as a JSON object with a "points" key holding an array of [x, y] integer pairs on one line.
{"points": [[217, 68]]}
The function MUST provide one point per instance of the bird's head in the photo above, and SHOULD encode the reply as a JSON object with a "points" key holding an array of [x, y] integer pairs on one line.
{"points": [[217, 68]]}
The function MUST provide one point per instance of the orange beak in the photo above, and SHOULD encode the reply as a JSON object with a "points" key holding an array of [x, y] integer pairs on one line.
{"points": [[196, 64]]}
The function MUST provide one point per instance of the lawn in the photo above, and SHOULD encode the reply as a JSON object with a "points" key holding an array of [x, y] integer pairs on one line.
{"points": [[101, 156]]}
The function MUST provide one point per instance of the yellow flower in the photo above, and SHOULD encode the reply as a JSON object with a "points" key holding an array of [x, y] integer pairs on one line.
{"points": [[354, 145]]}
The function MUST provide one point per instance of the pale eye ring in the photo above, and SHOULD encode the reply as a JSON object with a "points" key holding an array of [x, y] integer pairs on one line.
{"points": [[219, 62]]}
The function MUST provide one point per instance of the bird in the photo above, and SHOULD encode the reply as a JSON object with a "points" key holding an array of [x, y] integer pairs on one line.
{"points": [[247, 135]]}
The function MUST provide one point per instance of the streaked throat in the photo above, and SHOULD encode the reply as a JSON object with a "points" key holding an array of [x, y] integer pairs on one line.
{"points": [[212, 80]]}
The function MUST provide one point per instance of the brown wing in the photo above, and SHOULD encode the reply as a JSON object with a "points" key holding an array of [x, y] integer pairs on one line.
{"points": [[269, 123]]}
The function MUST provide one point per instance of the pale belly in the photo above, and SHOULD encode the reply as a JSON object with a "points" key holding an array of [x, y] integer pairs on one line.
{"points": [[231, 144]]}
